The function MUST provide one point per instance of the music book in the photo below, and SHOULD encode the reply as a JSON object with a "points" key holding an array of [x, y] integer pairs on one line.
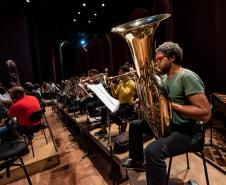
{"points": [[111, 103]]}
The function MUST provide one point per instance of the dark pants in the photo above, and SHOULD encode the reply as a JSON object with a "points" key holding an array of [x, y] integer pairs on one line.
{"points": [[183, 139], [124, 111], [92, 105], [136, 130]]}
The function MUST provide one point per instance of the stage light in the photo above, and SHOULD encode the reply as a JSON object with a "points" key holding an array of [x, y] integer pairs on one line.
{"points": [[28, 1], [89, 21], [84, 4], [103, 4], [79, 12], [95, 14], [82, 42], [74, 20]]}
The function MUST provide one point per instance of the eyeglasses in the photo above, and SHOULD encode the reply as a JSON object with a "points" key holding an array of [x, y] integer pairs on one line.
{"points": [[159, 58]]}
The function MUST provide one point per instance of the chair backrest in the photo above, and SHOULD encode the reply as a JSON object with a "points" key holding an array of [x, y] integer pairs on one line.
{"points": [[36, 116]]}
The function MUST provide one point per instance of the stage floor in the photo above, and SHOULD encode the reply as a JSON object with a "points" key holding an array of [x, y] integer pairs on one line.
{"points": [[179, 170]]}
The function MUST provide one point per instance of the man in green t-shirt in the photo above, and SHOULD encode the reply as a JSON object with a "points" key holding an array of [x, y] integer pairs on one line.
{"points": [[189, 105]]}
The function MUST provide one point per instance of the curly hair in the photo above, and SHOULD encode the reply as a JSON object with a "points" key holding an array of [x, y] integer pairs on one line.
{"points": [[171, 49]]}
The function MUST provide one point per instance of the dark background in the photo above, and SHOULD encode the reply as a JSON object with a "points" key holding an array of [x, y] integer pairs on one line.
{"points": [[43, 39]]}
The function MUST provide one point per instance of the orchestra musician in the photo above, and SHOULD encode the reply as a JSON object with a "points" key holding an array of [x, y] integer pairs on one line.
{"points": [[124, 91], [91, 102], [23, 106], [189, 105]]}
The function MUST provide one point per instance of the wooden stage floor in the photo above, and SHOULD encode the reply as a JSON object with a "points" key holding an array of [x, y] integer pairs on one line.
{"points": [[74, 141], [178, 171]]}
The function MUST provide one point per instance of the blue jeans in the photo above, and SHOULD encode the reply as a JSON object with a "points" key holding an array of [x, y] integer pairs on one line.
{"points": [[180, 141]]}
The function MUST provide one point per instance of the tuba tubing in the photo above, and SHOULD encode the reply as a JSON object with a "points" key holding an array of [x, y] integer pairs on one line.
{"points": [[155, 106], [13, 73]]}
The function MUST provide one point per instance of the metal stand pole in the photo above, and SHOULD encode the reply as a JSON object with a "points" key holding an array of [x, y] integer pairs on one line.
{"points": [[110, 147], [87, 150], [211, 144]]}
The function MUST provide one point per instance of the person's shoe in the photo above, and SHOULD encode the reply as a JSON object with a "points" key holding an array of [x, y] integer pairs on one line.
{"points": [[100, 133], [132, 164]]}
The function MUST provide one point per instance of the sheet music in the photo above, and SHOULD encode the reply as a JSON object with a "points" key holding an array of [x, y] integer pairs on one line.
{"points": [[111, 103]]}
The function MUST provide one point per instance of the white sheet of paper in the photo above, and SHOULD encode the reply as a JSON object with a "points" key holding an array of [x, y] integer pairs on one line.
{"points": [[111, 103]]}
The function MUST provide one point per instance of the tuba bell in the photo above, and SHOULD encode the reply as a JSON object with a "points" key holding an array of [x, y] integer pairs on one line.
{"points": [[13, 73], [154, 102]]}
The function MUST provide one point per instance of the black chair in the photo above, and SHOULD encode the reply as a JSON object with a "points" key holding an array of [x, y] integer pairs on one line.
{"points": [[10, 152], [193, 150], [35, 117]]}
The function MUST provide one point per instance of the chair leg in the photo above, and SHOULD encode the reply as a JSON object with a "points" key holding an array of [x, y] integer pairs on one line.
{"points": [[51, 135], [30, 140], [26, 142], [25, 171], [188, 166], [205, 168], [169, 168], [43, 130]]}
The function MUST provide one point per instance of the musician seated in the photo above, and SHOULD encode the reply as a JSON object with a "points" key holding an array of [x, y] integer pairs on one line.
{"points": [[124, 91], [46, 91], [91, 102], [23, 106], [3, 114], [28, 87], [189, 104], [36, 89], [5, 97]]}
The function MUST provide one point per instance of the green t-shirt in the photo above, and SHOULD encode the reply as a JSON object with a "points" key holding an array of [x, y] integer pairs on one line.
{"points": [[185, 83]]}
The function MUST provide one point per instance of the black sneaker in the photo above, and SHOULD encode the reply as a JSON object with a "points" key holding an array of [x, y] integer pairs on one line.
{"points": [[100, 133], [132, 164]]}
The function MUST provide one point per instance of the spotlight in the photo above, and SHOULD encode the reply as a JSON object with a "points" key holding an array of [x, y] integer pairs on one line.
{"points": [[74, 20], [28, 1], [103, 4], [95, 14], [82, 42], [79, 12], [84, 4]]}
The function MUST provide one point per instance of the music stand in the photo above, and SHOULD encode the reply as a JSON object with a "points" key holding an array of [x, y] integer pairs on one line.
{"points": [[113, 105], [211, 144], [87, 94]]}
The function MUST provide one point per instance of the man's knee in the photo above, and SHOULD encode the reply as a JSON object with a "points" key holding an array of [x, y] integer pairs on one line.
{"points": [[155, 152], [135, 124]]}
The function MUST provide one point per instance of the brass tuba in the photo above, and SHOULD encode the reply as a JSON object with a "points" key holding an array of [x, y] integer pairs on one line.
{"points": [[13, 73], [154, 103]]}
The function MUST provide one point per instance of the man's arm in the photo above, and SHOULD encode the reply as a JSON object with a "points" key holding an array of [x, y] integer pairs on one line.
{"points": [[198, 110]]}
